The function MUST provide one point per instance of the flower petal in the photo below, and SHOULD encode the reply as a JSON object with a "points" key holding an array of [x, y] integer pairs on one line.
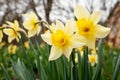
{"points": [[31, 33], [95, 16], [91, 43], [78, 41], [101, 31], [55, 53], [1, 36], [9, 32], [81, 12], [47, 38], [59, 25], [67, 52], [70, 27], [11, 38]]}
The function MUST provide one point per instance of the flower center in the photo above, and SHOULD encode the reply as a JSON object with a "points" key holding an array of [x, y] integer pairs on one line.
{"points": [[85, 27], [60, 39]]}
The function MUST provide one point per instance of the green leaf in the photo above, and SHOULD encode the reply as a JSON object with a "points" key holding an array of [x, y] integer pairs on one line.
{"points": [[21, 71], [116, 69], [7, 77]]}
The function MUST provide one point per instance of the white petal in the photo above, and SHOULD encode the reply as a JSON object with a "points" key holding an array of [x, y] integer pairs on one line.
{"points": [[101, 31], [1, 36], [47, 38], [11, 38], [70, 27], [59, 25], [31, 33], [67, 52], [95, 16], [78, 41], [81, 12], [91, 43], [55, 53]]}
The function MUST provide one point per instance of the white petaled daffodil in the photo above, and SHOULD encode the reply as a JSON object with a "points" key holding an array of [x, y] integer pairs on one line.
{"points": [[13, 31], [63, 39], [93, 59], [88, 27], [30, 23]]}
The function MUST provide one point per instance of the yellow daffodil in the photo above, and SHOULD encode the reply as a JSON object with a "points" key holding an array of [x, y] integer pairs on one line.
{"points": [[13, 31], [30, 24], [12, 48], [2, 44], [63, 39], [88, 27], [93, 59], [26, 44]]}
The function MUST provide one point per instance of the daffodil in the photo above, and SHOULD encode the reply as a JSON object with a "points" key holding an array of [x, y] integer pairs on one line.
{"points": [[63, 39], [30, 23], [13, 31], [12, 48], [26, 45], [93, 59], [2, 44], [88, 27]]}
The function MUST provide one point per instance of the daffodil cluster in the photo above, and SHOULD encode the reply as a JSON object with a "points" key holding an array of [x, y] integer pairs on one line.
{"points": [[75, 34], [62, 38]]}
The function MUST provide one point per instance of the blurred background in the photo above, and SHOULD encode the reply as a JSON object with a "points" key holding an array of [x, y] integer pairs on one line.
{"points": [[50, 10]]}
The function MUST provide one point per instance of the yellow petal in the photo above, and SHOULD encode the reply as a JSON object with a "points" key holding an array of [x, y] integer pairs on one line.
{"points": [[81, 12], [101, 31], [10, 24], [31, 33], [59, 25], [70, 27], [55, 53], [95, 16], [11, 38], [1, 36], [16, 25], [91, 42], [8, 32], [47, 38], [78, 41], [67, 52]]}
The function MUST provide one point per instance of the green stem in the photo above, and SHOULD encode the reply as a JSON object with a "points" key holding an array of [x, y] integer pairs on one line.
{"points": [[75, 77]]}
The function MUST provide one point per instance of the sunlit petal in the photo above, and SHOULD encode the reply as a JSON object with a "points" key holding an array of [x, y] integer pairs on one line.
{"points": [[81, 12], [55, 53], [95, 16], [67, 52], [101, 31], [70, 27], [8, 32], [11, 38], [78, 41], [47, 38], [59, 25], [31, 33], [91, 43]]}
